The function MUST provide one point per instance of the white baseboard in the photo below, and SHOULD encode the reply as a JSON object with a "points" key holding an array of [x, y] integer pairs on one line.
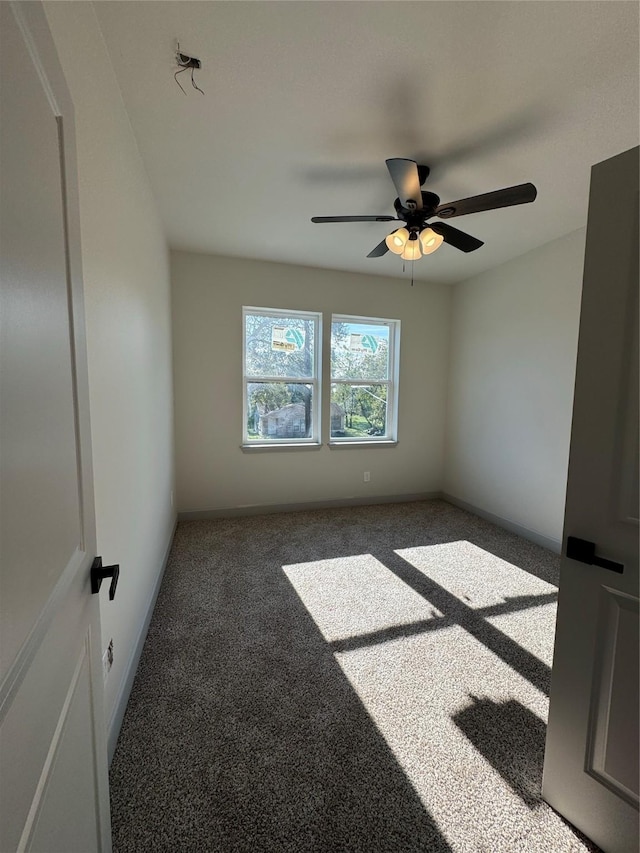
{"points": [[132, 664], [554, 545], [263, 509]]}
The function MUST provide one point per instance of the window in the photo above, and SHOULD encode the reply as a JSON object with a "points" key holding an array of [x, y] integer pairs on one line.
{"points": [[364, 379], [281, 377]]}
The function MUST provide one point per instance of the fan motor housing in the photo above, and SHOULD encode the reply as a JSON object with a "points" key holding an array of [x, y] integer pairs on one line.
{"points": [[415, 218]]}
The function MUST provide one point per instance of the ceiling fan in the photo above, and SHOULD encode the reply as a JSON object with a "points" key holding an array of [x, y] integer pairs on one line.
{"points": [[415, 207]]}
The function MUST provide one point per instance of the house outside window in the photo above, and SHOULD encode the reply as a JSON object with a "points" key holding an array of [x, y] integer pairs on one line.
{"points": [[364, 379], [281, 376]]}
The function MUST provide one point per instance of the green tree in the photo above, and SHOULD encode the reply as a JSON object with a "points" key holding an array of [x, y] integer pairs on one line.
{"points": [[345, 396], [372, 401], [368, 402], [269, 396], [261, 359]]}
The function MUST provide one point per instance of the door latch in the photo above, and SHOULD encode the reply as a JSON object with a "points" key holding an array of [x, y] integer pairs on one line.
{"points": [[585, 552], [99, 572]]}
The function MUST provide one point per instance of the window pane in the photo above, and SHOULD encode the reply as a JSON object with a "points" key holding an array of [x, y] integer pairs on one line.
{"points": [[279, 410], [279, 346], [358, 411], [359, 351]]}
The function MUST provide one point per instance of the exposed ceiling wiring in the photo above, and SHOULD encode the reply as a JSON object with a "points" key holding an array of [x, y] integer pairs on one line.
{"points": [[187, 62]]}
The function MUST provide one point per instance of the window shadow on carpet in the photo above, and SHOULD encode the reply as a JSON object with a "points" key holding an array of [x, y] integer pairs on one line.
{"points": [[435, 623], [511, 738], [512, 653]]}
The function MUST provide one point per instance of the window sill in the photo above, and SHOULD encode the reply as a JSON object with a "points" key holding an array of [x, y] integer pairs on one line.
{"points": [[259, 447], [334, 445]]}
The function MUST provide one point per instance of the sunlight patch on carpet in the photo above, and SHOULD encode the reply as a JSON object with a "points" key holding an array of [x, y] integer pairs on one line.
{"points": [[457, 717], [416, 689], [488, 584], [357, 595]]}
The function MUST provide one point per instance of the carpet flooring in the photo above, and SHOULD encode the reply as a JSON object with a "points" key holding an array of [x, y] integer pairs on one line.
{"points": [[368, 679]]}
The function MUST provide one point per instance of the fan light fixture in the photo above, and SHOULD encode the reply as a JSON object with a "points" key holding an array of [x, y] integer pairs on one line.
{"points": [[411, 250], [396, 240], [410, 245], [430, 241]]}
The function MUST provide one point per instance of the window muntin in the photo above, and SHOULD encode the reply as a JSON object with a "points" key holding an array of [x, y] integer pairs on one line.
{"points": [[281, 376], [364, 378]]}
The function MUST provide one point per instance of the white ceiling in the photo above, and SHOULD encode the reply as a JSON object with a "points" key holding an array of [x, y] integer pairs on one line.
{"points": [[304, 101]]}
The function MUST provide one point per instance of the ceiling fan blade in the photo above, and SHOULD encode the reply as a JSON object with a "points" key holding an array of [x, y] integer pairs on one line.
{"points": [[353, 218], [456, 238], [380, 249], [521, 194], [404, 174], [423, 173]]}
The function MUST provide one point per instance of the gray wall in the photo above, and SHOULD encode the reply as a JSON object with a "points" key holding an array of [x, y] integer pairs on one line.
{"points": [[127, 303], [213, 473], [514, 339]]}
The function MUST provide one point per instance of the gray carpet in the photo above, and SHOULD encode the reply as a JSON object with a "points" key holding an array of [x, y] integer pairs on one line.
{"points": [[363, 679]]}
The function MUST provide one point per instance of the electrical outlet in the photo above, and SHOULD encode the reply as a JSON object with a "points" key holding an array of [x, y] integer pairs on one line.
{"points": [[367, 476], [107, 659]]}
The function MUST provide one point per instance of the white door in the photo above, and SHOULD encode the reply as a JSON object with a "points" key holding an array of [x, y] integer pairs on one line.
{"points": [[53, 764], [591, 758]]}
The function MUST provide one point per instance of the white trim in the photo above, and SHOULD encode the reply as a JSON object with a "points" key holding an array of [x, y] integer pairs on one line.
{"points": [[343, 443], [281, 312], [29, 648], [554, 545], [267, 509], [264, 509], [45, 774], [282, 445], [288, 380], [18, 14], [120, 706], [315, 381], [365, 321], [391, 382], [601, 690]]}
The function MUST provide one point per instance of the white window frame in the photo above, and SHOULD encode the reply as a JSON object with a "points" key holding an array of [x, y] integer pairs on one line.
{"points": [[314, 381], [392, 382]]}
